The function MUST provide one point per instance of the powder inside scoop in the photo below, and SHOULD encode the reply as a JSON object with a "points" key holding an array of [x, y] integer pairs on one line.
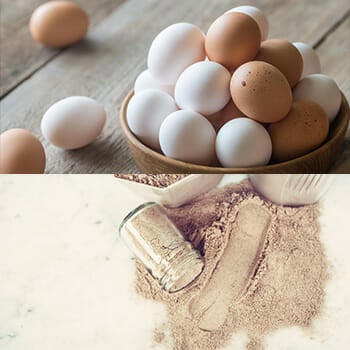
{"points": [[159, 180], [265, 270]]}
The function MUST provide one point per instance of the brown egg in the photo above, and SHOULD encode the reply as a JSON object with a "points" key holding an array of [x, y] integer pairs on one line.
{"points": [[21, 153], [283, 55], [229, 112], [261, 92], [304, 129], [232, 40], [59, 23]]}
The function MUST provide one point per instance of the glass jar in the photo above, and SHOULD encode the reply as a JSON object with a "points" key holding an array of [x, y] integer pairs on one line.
{"points": [[159, 245]]}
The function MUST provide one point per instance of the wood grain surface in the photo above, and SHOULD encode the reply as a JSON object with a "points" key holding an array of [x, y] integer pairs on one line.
{"points": [[106, 63]]}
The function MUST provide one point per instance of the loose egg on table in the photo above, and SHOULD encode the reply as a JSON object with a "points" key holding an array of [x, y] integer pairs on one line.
{"points": [[21, 153], [59, 23], [73, 122]]}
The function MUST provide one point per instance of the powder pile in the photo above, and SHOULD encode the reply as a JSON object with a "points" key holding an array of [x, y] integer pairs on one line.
{"points": [[161, 180], [255, 285]]}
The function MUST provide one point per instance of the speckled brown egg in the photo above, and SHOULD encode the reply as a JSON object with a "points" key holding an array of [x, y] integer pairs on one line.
{"points": [[261, 92], [21, 153], [232, 40], [58, 23], [229, 112], [303, 130], [283, 55]]}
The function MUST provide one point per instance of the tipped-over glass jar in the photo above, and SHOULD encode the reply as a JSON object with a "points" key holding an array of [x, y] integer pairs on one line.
{"points": [[159, 245]]}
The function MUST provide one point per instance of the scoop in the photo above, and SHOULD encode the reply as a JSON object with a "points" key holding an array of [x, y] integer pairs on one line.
{"points": [[296, 189], [177, 193], [235, 269]]}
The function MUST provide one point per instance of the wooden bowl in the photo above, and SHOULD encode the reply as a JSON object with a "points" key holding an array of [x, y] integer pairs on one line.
{"points": [[317, 161]]}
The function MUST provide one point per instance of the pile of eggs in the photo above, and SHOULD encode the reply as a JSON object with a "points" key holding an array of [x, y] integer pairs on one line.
{"points": [[232, 96]]}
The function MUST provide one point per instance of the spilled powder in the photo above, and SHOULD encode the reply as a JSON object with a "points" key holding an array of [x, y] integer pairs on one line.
{"points": [[160, 180], [265, 270]]}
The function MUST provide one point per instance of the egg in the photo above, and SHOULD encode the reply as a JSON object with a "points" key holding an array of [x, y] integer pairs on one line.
{"points": [[232, 40], [58, 23], [188, 136], [21, 153], [203, 87], [73, 122], [261, 92], [284, 56], [311, 61], [321, 89], [243, 142], [229, 112], [259, 17], [304, 129], [145, 113], [145, 81], [173, 50]]}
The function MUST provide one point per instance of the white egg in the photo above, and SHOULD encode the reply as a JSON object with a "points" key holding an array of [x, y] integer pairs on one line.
{"points": [[173, 50], [311, 62], [73, 122], [243, 142], [145, 113], [259, 17], [321, 89], [188, 136], [146, 81], [204, 87]]}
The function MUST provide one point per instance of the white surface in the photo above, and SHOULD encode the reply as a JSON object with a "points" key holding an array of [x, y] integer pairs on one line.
{"points": [[66, 282]]}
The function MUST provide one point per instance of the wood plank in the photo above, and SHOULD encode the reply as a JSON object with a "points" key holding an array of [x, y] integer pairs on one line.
{"points": [[334, 54], [20, 55], [105, 66]]}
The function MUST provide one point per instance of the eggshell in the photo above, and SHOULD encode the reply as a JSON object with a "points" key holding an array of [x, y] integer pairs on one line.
{"points": [[146, 81], [173, 50], [259, 17], [229, 112], [21, 153], [58, 23], [284, 56], [203, 87], [304, 129], [243, 142], [261, 92], [188, 136], [73, 122], [146, 112], [321, 89], [311, 61], [232, 40]]}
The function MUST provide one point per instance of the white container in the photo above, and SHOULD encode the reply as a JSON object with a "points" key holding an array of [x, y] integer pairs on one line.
{"points": [[293, 190], [177, 193]]}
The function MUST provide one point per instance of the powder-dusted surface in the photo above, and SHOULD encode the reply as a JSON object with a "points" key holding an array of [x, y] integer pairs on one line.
{"points": [[161, 180], [287, 289]]}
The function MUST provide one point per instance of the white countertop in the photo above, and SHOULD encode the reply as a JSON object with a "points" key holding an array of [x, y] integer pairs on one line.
{"points": [[66, 281]]}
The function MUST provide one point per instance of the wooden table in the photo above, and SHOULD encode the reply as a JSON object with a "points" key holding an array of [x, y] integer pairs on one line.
{"points": [[105, 64]]}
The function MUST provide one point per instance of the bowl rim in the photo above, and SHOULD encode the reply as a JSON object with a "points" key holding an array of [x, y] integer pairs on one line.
{"points": [[334, 134]]}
